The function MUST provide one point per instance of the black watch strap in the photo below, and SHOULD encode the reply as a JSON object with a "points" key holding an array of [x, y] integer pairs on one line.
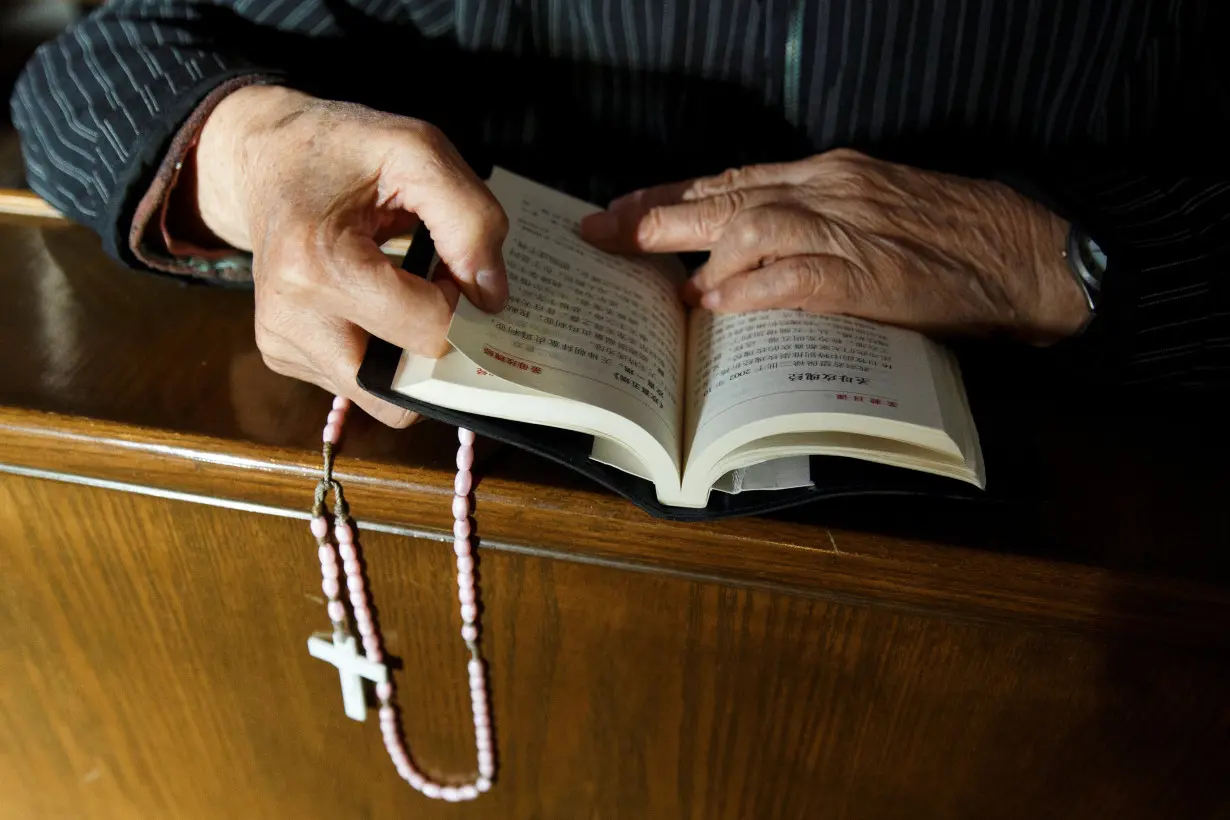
{"points": [[1087, 263]]}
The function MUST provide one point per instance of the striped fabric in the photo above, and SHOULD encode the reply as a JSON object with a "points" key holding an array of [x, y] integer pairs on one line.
{"points": [[1111, 111]]}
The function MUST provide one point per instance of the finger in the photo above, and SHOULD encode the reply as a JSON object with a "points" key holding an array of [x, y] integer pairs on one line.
{"points": [[466, 222], [646, 198], [750, 176], [448, 288], [388, 414], [817, 283], [687, 226], [732, 179], [446, 281], [339, 349], [760, 236], [385, 412], [293, 366], [384, 300], [395, 224]]}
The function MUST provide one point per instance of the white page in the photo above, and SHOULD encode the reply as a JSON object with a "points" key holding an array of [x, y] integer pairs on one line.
{"points": [[580, 323], [748, 367], [787, 473]]}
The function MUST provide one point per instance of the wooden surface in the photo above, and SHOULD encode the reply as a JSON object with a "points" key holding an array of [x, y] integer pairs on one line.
{"points": [[166, 676], [1066, 658], [21, 202]]}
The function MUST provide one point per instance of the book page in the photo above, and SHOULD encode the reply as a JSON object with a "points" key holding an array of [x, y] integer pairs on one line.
{"points": [[580, 323], [777, 474], [744, 368]]}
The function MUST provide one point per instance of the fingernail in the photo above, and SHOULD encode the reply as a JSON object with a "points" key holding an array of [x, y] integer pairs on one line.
{"points": [[711, 300], [493, 290], [602, 225]]}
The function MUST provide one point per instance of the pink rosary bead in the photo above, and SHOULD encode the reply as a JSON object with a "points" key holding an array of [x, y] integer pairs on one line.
{"points": [[364, 621]]}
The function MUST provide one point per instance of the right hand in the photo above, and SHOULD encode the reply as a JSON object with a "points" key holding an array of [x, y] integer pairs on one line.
{"points": [[313, 188]]}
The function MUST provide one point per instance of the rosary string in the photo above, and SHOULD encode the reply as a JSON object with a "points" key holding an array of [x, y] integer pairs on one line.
{"points": [[348, 548]]}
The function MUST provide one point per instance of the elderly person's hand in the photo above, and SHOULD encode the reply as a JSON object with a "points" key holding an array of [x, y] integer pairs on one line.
{"points": [[842, 232], [313, 188]]}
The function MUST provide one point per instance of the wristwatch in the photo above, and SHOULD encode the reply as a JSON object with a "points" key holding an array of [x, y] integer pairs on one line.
{"points": [[1087, 263]]}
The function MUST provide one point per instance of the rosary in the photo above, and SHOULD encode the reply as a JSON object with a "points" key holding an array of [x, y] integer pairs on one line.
{"points": [[342, 649]]}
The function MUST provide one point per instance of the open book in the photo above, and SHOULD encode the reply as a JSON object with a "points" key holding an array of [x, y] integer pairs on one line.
{"points": [[689, 400]]}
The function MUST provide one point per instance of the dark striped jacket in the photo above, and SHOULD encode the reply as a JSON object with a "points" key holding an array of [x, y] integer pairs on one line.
{"points": [[1114, 112]]}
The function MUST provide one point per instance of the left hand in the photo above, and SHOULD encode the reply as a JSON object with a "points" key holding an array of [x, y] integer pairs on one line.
{"points": [[844, 233]]}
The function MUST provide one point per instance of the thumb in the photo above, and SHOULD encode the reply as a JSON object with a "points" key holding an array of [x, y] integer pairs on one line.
{"points": [[466, 221], [471, 254]]}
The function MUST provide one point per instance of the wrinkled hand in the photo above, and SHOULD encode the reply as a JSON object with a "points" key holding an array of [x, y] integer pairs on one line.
{"points": [[313, 188], [844, 233]]}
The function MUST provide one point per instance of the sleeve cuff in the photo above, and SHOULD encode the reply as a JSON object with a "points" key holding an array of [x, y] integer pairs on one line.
{"points": [[150, 239]]}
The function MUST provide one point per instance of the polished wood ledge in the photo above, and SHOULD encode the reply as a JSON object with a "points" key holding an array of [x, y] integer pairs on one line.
{"points": [[116, 376], [1098, 615]]}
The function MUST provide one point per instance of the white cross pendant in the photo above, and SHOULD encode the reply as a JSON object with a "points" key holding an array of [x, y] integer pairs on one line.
{"points": [[342, 652]]}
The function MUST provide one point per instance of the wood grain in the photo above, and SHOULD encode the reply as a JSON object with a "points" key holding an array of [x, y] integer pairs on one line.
{"points": [[159, 670], [517, 515], [18, 202]]}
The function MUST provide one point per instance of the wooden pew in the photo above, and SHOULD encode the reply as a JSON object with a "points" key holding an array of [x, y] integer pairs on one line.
{"points": [[852, 660]]}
